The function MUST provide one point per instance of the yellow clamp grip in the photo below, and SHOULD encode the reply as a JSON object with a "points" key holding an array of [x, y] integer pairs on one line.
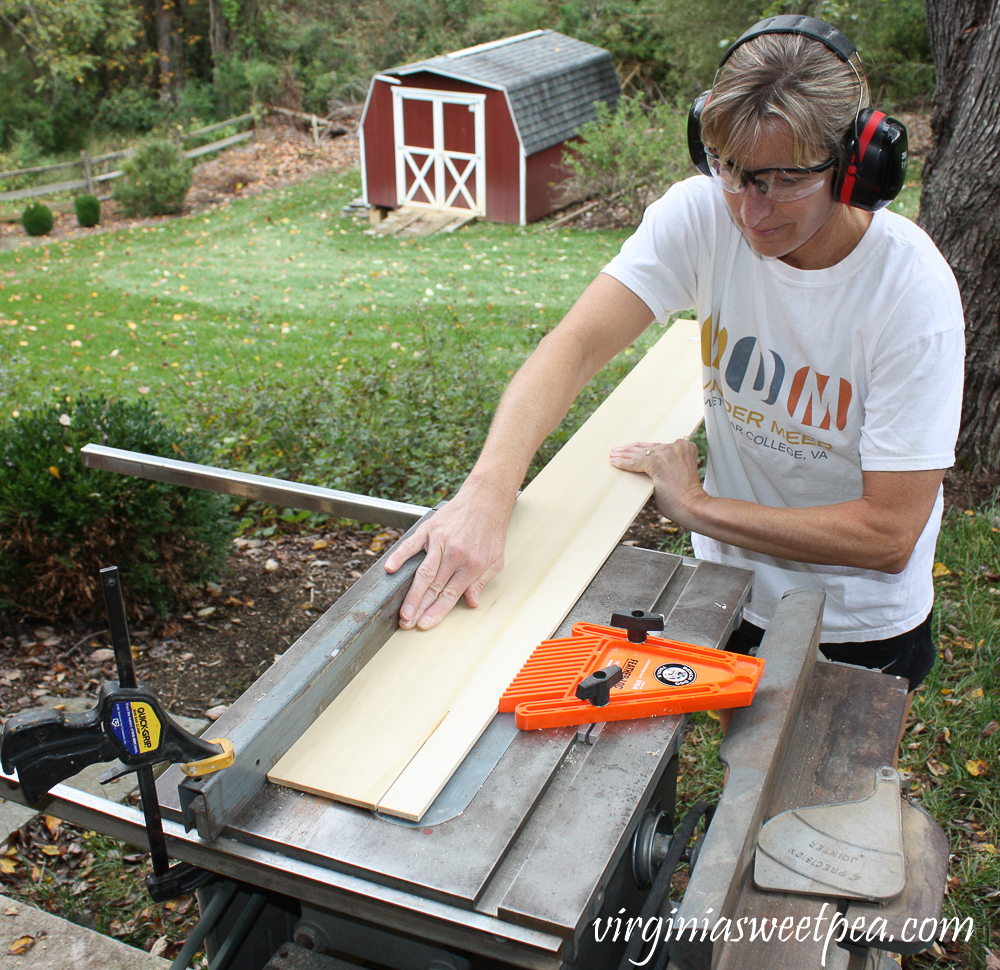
{"points": [[217, 762]]}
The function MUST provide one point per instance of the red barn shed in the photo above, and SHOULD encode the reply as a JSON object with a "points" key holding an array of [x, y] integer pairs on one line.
{"points": [[483, 129]]}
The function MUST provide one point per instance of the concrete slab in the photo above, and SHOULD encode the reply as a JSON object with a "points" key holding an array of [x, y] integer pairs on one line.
{"points": [[59, 944], [12, 817]]}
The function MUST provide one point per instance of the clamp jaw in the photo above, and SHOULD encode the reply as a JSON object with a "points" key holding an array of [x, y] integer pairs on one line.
{"points": [[128, 723]]}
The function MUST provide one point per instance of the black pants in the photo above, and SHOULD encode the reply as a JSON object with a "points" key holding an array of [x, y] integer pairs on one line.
{"points": [[910, 655]]}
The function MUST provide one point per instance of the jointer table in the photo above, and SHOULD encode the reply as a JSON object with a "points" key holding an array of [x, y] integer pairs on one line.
{"points": [[539, 833]]}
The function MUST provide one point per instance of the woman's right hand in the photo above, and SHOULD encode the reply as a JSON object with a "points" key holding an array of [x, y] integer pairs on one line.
{"points": [[464, 542]]}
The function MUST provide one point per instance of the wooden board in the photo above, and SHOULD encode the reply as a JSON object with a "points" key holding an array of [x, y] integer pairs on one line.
{"points": [[394, 736]]}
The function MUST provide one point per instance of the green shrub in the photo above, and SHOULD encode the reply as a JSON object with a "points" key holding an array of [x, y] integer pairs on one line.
{"points": [[37, 219], [631, 155], [155, 182], [24, 152], [408, 427], [60, 522], [131, 111], [88, 210], [354, 430]]}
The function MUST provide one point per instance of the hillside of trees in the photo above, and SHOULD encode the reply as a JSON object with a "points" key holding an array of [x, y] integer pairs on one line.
{"points": [[77, 70]]}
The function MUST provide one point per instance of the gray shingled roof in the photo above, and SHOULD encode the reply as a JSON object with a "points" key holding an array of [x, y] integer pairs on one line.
{"points": [[552, 81]]}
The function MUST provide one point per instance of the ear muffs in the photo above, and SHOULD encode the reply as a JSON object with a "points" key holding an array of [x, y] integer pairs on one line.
{"points": [[875, 146], [696, 148], [876, 162]]}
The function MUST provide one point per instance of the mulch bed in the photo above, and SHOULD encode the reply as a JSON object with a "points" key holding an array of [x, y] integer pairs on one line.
{"points": [[204, 656]]}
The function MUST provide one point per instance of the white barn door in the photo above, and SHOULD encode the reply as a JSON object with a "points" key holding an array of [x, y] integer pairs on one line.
{"points": [[440, 141]]}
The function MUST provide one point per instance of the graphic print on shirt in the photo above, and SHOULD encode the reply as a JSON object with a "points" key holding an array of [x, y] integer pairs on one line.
{"points": [[790, 397]]}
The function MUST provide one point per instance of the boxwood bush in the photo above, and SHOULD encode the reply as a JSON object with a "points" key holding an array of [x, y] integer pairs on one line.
{"points": [[60, 522], [407, 428], [37, 219], [155, 182], [88, 210]]}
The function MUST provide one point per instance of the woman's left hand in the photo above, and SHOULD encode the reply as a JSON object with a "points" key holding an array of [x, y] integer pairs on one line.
{"points": [[674, 470]]}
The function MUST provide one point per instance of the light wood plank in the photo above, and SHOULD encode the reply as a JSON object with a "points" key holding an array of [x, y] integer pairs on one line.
{"points": [[393, 738]]}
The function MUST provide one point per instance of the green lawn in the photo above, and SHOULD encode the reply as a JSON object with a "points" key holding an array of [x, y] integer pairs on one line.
{"points": [[278, 285]]}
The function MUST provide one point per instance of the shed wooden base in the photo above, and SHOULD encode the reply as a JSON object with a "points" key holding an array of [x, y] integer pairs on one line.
{"points": [[394, 736]]}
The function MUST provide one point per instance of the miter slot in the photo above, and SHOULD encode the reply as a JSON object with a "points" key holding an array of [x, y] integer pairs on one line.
{"points": [[631, 578], [565, 875], [709, 606]]}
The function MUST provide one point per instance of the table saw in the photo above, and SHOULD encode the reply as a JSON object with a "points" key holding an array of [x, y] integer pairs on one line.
{"points": [[542, 839]]}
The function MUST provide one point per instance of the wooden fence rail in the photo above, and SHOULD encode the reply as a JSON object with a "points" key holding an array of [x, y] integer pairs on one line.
{"points": [[88, 162]]}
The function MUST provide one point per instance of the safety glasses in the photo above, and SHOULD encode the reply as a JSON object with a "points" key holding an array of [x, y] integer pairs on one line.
{"points": [[778, 184]]}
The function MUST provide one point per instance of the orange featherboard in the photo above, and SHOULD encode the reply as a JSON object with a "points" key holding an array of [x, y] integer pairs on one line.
{"points": [[660, 677]]}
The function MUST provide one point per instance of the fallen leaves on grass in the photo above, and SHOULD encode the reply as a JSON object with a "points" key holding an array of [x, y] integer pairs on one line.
{"points": [[86, 878]]}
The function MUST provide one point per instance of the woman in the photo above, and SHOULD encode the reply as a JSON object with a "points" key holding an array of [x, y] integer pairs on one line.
{"points": [[832, 341]]}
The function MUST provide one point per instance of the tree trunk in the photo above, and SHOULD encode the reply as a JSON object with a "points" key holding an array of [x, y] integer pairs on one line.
{"points": [[163, 11], [960, 202], [218, 32]]}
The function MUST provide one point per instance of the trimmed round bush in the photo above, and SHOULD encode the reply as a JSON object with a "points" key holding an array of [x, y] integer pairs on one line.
{"points": [[155, 182], [88, 210], [60, 523], [37, 219]]}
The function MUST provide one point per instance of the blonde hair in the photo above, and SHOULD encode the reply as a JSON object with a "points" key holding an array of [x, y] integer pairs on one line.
{"points": [[790, 78]]}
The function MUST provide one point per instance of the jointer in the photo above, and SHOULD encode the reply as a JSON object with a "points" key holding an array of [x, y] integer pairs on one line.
{"points": [[545, 843]]}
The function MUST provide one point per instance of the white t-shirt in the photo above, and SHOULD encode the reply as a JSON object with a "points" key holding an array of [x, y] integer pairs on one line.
{"points": [[811, 376]]}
